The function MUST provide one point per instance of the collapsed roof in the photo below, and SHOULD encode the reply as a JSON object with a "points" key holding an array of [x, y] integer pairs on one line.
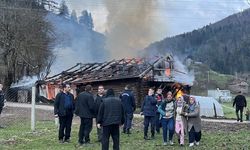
{"points": [[158, 69]]}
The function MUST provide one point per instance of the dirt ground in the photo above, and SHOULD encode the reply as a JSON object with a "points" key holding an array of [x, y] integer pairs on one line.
{"points": [[11, 115]]}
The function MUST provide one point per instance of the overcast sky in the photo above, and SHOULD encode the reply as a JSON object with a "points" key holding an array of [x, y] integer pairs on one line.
{"points": [[172, 16]]}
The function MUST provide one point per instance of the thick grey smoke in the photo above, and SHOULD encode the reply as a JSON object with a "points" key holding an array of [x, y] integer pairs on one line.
{"points": [[75, 44], [129, 26]]}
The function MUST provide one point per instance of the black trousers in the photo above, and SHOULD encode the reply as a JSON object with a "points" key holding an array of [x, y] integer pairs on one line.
{"points": [[112, 130], [194, 136], [128, 121], [149, 120], [65, 126], [84, 130], [239, 108], [157, 122]]}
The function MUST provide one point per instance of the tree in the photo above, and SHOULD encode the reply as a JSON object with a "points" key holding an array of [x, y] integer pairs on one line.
{"points": [[63, 9], [86, 20], [73, 16], [25, 40]]}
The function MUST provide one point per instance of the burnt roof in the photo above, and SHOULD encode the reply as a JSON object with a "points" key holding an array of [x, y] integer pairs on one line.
{"points": [[117, 69]]}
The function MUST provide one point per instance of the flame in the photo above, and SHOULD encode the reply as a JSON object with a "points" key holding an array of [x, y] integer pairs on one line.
{"points": [[168, 72], [179, 93]]}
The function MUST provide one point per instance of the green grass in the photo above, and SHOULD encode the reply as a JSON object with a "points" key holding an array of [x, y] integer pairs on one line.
{"points": [[20, 137], [229, 111]]}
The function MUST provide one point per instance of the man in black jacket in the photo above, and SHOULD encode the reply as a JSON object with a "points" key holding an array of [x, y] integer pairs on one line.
{"points": [[85, 109], [110, 117], [64, 109], [128, 102], [98, 101], [240, 102], [148, 109]]}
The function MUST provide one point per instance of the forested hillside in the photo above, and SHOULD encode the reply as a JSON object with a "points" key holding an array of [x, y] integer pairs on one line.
{"points": [[224, 46]]}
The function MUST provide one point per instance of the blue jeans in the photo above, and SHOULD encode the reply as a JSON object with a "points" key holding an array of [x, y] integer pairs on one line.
{"points": [[167, 125]]}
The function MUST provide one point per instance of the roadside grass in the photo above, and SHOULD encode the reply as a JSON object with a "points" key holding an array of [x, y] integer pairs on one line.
{"points": [[19, 136]]}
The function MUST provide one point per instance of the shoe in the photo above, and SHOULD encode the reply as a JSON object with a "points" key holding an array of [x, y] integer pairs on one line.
{"points": [[191, 144], [124, 131], [241, 120], [197, 143], [182, 145], [152, 137], [146, 138], [61, 141], [171, 142], [67, 141], [128, 131], [165, 143]]}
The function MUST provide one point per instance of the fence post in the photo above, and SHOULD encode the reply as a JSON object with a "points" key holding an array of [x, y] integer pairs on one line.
{"points": [[33, 101], [215, 112]]}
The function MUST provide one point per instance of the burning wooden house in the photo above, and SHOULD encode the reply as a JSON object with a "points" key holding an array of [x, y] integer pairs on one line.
{"points": [[140, 74]]}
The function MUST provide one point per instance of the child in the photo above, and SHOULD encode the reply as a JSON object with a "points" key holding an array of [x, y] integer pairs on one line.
{"points": [[194, 122], [148, 109], [179, 121]]}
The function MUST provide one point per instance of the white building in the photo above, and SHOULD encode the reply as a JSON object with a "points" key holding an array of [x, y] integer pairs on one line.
{"points": [[220, 95]]}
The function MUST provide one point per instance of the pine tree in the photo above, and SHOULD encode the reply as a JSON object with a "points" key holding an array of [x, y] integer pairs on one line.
{"points": [[63, 10], [73, 16], [86, 20]]}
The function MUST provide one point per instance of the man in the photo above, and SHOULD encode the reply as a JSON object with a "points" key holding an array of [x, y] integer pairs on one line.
{"points": [[64, 109], [85, 109], [1, 100], [159, 98], [110, 116], [128, 102], [240, 102], [98, 101], [148, 109]]}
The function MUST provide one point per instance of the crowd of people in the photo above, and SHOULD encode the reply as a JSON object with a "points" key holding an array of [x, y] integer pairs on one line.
{"points": [[182, 117], [111, 112], [173, 115]]}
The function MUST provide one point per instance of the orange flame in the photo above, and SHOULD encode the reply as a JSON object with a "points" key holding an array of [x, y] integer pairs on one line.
{"points": [[179, 93], [168, 72]]}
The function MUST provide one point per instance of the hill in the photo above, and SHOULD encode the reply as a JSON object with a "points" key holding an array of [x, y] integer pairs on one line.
{"points": [[224, 46]]}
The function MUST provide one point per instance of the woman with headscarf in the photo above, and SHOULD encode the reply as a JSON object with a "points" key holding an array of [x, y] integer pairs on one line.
{"points": [[194, 122]]}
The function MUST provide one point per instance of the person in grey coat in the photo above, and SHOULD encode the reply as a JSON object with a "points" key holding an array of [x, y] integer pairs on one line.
{"points": [[194, 122]]}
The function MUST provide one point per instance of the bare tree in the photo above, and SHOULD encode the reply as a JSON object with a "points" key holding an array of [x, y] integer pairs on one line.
{"points": [[25, 39]]}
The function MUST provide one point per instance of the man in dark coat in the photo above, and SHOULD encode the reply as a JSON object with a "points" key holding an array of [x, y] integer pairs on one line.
{"points": [[64, 109], [128, 102], [148, 109], [85, 109], [240, 102], [110, 117], [98, 101]]}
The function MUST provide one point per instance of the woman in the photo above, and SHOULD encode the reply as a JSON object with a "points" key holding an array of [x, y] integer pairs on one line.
{"points": [[179, 119], [166, 110], [194, 122]]}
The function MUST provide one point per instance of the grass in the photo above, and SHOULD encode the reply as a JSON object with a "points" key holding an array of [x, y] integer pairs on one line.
{"points": [[19, 136], [229, 111]]}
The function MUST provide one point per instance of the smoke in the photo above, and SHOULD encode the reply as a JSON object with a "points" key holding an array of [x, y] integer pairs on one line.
{"points": [[25, 82], [129, 26], [181, 73], [75, 44]]}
